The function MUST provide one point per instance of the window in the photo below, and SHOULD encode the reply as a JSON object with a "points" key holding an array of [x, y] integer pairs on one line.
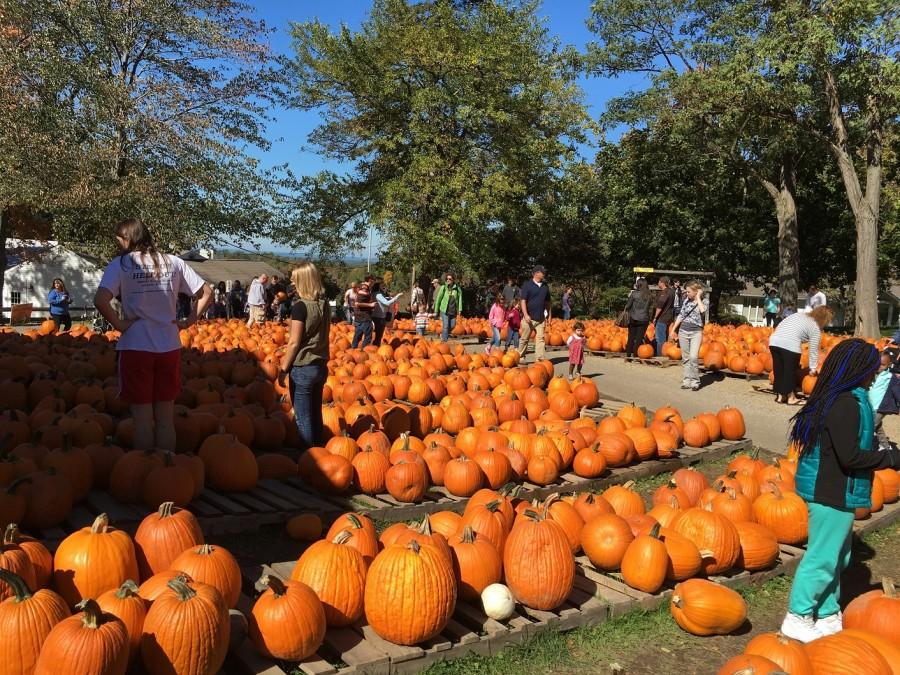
{"points": [[15, 297]]}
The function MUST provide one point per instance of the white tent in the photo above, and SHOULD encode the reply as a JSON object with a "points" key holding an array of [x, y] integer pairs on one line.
{"points": [[34, 265]]}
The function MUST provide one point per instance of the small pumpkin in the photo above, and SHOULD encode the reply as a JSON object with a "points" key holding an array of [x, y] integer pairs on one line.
{"points": [[876, 611], [702, 607], [498, 602], [304, 527], [476, 563], [645, 562], [287, 621], [605, 539], [788, 654], [25, 622], [130, 608]]}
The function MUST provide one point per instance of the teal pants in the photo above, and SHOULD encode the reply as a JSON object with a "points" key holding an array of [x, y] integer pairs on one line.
{"points": [[817, 582]]}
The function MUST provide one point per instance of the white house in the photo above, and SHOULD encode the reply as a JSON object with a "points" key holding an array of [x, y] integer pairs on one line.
{"points": [[31, 268]]}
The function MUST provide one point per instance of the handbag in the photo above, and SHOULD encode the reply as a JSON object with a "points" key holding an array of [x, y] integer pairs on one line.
{"points": [[623, 319]]}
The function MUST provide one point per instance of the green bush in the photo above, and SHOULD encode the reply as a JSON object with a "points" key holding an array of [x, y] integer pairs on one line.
{"points": [[610, 303], [732, 320]]}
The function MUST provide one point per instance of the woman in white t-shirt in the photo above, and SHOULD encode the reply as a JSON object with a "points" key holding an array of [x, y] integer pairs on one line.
{"points": [[148, 283]]}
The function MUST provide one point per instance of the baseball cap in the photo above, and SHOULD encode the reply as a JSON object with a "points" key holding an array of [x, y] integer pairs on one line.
{"points": [[538, 268]]}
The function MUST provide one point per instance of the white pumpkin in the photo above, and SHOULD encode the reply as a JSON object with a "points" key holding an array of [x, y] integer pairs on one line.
{"points": [[498, 602]]}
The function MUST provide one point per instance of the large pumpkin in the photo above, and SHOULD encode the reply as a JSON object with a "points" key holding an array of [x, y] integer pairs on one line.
{"points": [[713, 534], [89, 642], [93, 560], [163, 536], [186, 631], [410, 593], [476, 563], [538, 562], [230, 465], [759, 547], [287, 621], [731, 422], [212, 565], [645, 562], [787, 653], [785, 513], [604, 539], [337, 573], [702, 607], [876, 611], [26, 620], [842, 653]]}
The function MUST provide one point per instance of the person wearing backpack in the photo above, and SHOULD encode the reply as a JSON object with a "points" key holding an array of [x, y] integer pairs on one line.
{"points": [[448, 303], [638, 308]]}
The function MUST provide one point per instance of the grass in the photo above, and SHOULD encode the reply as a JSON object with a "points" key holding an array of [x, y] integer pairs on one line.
{"points": [[608, 646]]}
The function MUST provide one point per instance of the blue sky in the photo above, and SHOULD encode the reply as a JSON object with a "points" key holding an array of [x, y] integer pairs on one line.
{"points": [[288, 133]]}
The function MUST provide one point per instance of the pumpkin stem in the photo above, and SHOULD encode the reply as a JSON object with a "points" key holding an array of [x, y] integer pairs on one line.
{"points": [[413, 546], [887, 584], [16, 583], [165, 509], [676, 600], [354, 521], [468, 535], [492, 505], [654, 532], [100, 525], [342, 537], [706, 554], [775, 489], [128, 589], [425, 526], [93, 615], [181, 589], [276, 585], [673, 502], [732, 494], [205, 549], [629, 485]]}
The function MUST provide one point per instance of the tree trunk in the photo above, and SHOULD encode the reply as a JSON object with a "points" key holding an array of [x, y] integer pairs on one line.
{"points": [[783, 195], [865, 205], [4, 233], [715, 299]]}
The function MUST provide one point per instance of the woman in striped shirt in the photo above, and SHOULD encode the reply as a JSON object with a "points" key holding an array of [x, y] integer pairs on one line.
{"points": [[688, 327], [786, 345]]}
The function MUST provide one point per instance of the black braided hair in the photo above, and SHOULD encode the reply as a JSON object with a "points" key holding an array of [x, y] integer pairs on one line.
{"points": [[847, 366]]}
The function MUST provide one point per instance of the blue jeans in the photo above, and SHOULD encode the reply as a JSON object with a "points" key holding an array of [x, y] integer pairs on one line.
{"points": [[306, 385], [495, 337], [420, 330], [512, 337], [567, 313], [662, 334], [448, 323], [363, 331]]}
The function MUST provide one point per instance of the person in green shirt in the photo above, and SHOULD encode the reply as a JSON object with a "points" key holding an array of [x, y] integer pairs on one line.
{"points": [[448, 303], [772, 305]]}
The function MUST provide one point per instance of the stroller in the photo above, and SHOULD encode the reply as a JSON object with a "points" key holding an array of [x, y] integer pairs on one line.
{"points": [[99, 324]]}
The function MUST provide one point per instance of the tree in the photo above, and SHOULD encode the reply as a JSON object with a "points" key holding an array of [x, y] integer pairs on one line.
{"points": [[137, 109], [774, 79], [456, 116]]}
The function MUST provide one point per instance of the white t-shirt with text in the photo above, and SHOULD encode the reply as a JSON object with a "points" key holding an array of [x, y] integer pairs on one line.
{"points": [[149, 298]]}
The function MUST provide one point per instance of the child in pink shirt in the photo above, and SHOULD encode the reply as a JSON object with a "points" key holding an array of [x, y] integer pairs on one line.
{"points": [[497, 319], [576, 344]]}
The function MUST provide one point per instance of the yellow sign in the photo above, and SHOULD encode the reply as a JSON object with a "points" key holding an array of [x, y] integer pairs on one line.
{"points": [[643, 270]]}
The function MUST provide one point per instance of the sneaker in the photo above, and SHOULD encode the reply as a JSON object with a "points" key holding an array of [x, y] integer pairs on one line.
{"points": [[831, 624], [695, 387], [800, 628]]}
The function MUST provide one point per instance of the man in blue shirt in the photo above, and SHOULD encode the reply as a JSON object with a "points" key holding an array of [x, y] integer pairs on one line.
{"points": [[535, 303]]}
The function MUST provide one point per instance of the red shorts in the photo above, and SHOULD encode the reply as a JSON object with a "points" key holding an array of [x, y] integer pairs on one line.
{"points": [[149, 377]]}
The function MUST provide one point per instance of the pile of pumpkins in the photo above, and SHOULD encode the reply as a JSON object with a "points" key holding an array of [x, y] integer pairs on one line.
{"points": [[162, 599], [399, 418], [489, 440], [867, 644], [504, 550]]}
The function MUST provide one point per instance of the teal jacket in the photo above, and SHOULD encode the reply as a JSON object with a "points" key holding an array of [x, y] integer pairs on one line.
{"points": [[837, 470], [442, 299]]}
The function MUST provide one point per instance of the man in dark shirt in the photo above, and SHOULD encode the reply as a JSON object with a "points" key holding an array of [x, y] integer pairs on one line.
{"points": [[362, 316], [510, 291], [535, 305], [665, 312]]}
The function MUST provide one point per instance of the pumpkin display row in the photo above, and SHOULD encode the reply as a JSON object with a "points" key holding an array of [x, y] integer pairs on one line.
{"points": [[486, 455]]}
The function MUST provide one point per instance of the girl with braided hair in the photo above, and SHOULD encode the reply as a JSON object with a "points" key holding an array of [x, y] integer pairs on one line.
{"points": [[834, 434]]}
